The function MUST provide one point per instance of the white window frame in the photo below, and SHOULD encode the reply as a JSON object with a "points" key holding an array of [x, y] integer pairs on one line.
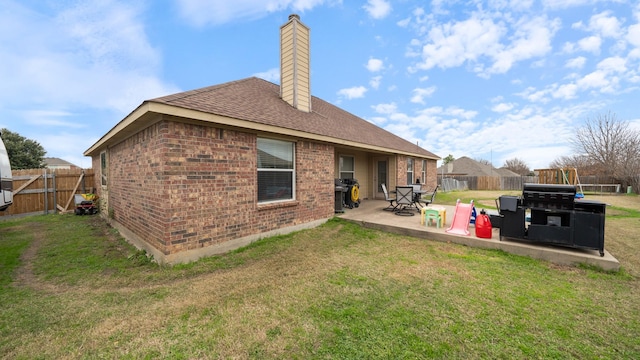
{"points": [[104, 169], [291, 170], [424, 171], [341, 169], [410, 177]]}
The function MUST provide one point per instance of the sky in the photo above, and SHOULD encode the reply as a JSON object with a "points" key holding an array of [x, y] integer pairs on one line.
{"points": [[492, 80]]}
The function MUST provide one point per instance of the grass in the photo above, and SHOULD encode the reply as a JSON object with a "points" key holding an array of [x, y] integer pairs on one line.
{"points": [[482, 199], [72, 288]]}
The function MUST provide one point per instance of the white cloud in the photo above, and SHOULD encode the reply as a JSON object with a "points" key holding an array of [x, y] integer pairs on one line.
{"points": [[502, 107], [576, 63], [353, 92], [562, 4], [480, 38], [633, 35], [385, 108], [404, 22], [534, 95], [595, 79], [374, 65], [204, 12], [272, 75], [605, 25], [451, 44], [590, 44], [420, 93], [569, 47], [378, 120], [378, 9], [52, 118], [532, 38], [375, 82], [613, 64], [59, 59], [512, 5], [566, 91]]}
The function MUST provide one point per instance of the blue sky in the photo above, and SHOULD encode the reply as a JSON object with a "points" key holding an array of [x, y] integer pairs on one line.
{"points": [[490, 80]]}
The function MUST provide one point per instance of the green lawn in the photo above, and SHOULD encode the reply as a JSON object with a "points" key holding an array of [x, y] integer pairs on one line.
{"points": [[70, 287]]}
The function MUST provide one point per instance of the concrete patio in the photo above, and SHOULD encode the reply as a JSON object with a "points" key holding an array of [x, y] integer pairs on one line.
{"points": [[370, 214]]}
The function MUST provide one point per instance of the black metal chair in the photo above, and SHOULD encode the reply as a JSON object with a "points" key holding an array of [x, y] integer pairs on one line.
{"points": [[433, 197], [392, 206], [404, 200]]}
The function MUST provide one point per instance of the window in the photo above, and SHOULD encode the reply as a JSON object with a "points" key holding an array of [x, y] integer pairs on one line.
{"points": [[409, 171], [423, 180], [276, 173], [104, 172], [347, 167]]}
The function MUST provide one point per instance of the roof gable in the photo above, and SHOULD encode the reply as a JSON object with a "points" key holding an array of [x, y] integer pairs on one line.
{"points": [[467, 166]]}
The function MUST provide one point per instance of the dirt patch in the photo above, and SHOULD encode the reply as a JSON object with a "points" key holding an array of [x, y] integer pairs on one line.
{"points": [[24, 274]]}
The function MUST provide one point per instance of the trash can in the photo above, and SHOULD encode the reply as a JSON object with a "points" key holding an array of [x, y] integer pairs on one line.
{"points": [[629, 189], [340, 190]]}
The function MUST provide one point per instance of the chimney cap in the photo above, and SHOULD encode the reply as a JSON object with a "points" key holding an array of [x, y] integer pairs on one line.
{"points": [[294, 16]]}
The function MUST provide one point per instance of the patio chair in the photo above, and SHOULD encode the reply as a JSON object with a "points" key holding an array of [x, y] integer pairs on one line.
{"points": [[404, 199], [433, 197], [392, 206]]}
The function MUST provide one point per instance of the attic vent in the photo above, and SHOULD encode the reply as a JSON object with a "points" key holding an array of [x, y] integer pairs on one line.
{"points": [[295, 79]]}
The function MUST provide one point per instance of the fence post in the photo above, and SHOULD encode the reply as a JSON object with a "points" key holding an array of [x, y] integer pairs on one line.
{"points": [[55, 194], [46, 193]]}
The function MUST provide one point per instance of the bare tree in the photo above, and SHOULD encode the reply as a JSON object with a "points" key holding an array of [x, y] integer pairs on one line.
{"points": [[518, 166], [484, 161], [584, 164], [612, 145]]}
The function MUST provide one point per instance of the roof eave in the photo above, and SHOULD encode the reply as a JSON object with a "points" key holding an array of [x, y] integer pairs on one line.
{"points": [[126, 128]]}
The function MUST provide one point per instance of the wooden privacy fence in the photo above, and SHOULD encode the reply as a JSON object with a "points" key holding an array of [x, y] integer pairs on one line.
{"points": [[489, 182], [480, 182], [48, 191]]}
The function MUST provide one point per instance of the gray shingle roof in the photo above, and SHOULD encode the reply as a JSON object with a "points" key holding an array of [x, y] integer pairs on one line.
{"points": [[257, 100], [54, 161], [467, 166]]}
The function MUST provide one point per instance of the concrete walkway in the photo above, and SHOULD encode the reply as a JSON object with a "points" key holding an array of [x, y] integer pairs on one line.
{"points": [[370, 215]]}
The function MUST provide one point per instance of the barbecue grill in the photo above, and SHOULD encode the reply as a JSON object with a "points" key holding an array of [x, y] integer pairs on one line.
{"points": [[556, 217]]}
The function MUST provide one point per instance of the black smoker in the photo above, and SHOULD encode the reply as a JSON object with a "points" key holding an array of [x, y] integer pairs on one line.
{"points": [[340, 190], [556, 217]]}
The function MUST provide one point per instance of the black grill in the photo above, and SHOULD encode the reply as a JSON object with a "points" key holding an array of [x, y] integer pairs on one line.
{"points": [[549, 196], [550, 213]]}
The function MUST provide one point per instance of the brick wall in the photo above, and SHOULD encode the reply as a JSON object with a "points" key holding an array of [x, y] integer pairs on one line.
{"points": [[136, 185], [429, 183], [183, 187], [432, 174]]}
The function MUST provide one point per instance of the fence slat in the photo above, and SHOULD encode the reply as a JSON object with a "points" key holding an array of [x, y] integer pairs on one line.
{"points": [[26, 184], [29, 194], [74, 191]]}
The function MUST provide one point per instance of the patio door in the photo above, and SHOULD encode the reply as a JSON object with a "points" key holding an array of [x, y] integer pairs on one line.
{"points": [[382, 176]]}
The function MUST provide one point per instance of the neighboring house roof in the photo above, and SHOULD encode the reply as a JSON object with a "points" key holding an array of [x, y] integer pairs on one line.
{"points": [[504, 172], [256, 104], [53, 162], [469, 167]]}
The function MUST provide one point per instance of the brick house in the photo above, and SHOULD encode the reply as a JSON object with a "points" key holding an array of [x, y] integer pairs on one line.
{"points": [[206, 171]]}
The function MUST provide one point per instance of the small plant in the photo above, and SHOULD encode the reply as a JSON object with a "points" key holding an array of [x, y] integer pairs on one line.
{"points": [[141, 258]]}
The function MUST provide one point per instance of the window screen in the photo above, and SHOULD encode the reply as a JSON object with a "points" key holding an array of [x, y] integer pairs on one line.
{"points": [[276, 176]]}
